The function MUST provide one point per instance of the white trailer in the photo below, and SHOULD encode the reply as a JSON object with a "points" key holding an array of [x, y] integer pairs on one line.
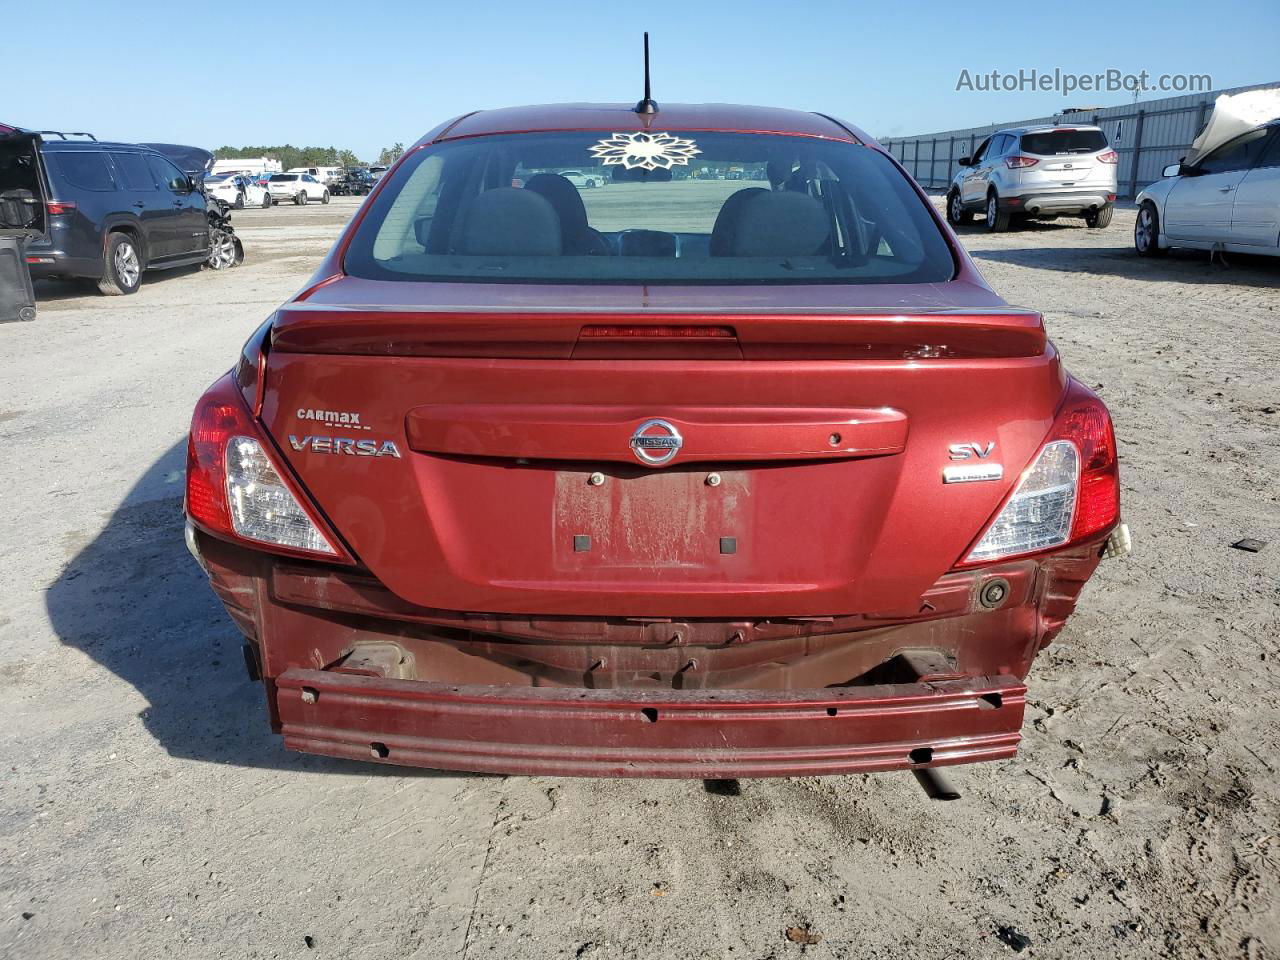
{"points": [[255, 166], [325, 175]]}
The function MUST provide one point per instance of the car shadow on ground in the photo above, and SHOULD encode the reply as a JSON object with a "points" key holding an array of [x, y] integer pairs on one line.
{"points": [[51, 291], [1179, 266], [135, 601], [978, 225]]}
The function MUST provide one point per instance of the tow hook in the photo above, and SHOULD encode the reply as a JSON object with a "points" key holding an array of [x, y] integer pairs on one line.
{"points": [[1119, 544]]}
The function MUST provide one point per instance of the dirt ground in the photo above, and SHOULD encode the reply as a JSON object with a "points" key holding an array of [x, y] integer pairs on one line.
{"points": [[146, 811]]}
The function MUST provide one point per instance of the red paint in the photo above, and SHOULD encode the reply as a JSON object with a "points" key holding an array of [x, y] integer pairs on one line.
{"points": [[522, 591]]}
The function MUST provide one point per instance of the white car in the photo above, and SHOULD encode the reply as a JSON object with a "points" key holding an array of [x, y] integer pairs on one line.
{"points": [[580, 179], [1229, 200], [298, 187], [237, 190]]}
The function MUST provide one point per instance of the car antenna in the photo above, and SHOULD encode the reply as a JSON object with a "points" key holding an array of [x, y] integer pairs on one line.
{"points": [[647, 105]]}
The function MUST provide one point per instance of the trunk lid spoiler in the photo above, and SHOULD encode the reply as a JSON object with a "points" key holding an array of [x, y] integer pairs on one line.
{"points": [[591, 335]]}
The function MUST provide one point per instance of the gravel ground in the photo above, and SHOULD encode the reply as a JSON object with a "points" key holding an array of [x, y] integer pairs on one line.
{"points": [[146, 811]]}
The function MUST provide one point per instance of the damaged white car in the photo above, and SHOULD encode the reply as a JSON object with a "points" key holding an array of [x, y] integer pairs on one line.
{"points": [[1225, 194], [237, 190]]}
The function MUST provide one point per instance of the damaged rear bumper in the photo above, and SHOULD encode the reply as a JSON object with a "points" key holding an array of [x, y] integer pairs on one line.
{"points": [[670, 733]]}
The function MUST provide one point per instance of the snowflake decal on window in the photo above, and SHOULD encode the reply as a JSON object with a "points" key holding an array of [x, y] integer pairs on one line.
{"points": [[648, 151]]}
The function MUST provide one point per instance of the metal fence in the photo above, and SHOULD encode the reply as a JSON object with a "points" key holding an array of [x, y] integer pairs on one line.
{"points": [[1148, 136]]}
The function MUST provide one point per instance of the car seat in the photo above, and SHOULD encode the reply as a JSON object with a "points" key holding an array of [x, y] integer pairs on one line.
{"points": [[578, 237], [768, 224], [511, 222]]}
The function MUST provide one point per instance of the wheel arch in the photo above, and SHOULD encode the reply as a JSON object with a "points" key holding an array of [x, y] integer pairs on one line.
{"points": [[1162, 241], [132, 228]]}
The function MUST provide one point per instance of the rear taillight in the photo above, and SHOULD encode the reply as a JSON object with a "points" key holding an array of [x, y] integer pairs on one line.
{"points": [[1013, 163], [1085, 422], [262, 508], [1038, 515], [234, 487], [60, 206], [1070, 492], [1109, 157]]}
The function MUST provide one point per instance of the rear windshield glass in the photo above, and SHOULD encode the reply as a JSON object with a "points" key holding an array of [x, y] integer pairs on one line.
{"points": [[277, 177], [1050, 142], [656, 208]]}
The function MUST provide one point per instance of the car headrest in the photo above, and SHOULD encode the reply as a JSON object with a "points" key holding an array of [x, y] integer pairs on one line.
{"points": [[778, 171], [726, 224], [782, 224], [511, 222], [564, 196]]}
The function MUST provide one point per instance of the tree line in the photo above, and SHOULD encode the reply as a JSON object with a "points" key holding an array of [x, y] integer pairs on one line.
{"points": [[291, 156]]}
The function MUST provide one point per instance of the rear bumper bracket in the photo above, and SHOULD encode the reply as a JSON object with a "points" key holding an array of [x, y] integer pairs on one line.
{"points": [[711, 734]]}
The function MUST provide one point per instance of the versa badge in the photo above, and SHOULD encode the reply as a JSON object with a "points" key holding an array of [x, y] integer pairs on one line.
{"points": [[355, 448]]}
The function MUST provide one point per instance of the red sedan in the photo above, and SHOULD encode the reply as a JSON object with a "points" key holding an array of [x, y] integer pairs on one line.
{"points": [[736, 468]]}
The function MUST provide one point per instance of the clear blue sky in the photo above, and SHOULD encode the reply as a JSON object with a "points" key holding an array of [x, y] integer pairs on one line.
{"points": [[363, 75]]}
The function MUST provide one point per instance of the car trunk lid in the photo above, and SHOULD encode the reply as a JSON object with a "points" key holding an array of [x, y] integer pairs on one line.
{"points": [[1067, 156], [784, 465]]}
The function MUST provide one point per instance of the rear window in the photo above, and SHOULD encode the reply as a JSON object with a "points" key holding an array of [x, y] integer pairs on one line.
{"points": [[280, 177], [675, 211], [1050, 142], [85, 169]]}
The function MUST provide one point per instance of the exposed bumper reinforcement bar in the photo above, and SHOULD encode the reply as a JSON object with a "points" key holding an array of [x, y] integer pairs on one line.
{"points": [[712, 734]]}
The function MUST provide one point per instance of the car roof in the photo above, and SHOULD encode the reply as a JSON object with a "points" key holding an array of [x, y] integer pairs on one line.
{"points": [[1041, 127], [85, 145], [725, 117]]}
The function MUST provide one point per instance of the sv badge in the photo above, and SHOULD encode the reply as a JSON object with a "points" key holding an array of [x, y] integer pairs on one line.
{"points": [[967, 451]]}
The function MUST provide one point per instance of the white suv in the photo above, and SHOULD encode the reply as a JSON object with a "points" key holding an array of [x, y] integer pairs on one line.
{"points": [[1040, 172], [298, 187]]}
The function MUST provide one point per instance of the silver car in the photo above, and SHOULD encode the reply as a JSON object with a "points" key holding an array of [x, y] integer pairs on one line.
{"points": [[1042, 172], [1228, 200]]}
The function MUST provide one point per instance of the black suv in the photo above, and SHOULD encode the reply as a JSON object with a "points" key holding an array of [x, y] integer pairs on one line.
{"points": [[103, 211], [358, 182]]}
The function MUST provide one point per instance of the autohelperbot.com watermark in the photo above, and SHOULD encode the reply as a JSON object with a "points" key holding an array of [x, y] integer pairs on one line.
{"points": [[1067, 83]]}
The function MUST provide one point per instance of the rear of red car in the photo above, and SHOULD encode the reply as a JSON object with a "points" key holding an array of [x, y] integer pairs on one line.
{"points": [[685, 477]]}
